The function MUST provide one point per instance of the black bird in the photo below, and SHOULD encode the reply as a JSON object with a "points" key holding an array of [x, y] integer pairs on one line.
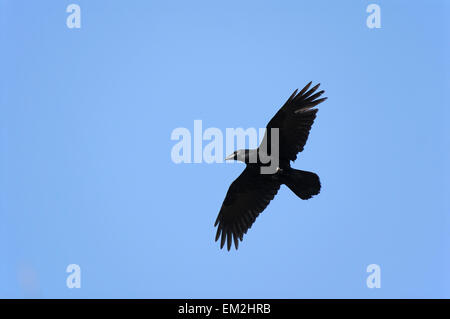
{"points": [[252, 191]]}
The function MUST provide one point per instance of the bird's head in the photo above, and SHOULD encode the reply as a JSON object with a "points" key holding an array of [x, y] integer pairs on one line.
{"points": [[239, 155]]}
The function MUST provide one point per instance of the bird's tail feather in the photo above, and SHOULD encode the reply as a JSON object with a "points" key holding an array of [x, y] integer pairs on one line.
{"points": [[304, 184]]}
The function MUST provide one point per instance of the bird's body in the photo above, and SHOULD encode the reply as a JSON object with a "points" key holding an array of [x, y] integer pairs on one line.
{"points": [[253, 190]]}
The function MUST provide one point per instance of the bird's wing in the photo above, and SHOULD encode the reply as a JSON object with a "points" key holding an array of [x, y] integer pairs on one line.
{"points": [[246, 198], [294, 121]]}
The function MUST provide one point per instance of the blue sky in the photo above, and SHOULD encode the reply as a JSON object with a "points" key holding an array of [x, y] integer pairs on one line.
{"points": [[87, 177]]}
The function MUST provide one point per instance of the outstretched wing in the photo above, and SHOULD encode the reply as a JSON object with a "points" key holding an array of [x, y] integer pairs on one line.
{"points": [[246, 198], [294, 121]]}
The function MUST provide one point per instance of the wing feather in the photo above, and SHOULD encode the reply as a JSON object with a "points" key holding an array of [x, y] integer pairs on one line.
{"points": [[246, 198], [294, 121]]}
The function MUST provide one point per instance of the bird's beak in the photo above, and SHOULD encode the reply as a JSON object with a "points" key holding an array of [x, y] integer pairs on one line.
{"points": [[229, 157]]}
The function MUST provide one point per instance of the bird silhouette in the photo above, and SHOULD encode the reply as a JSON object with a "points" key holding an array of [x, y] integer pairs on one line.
{"points": [[252, 191]]}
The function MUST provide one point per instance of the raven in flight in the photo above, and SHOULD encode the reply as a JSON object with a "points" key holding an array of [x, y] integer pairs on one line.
{"points": [[252, 191]]}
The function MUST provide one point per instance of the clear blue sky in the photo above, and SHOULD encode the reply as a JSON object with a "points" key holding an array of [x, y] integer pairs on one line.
{"points": [[86, 175]]}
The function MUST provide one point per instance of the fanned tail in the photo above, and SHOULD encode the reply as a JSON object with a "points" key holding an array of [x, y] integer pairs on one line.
{"points": [[304, 184]]}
